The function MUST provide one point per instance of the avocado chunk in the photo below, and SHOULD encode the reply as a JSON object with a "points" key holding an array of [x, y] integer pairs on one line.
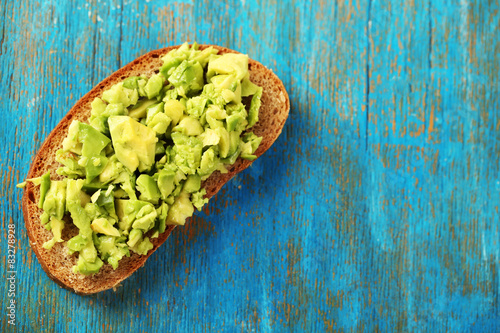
{"points": [[223, 141], [166, 178], [234, 143], [249, 144], [224, 81], [71, 168], [189, 126], [253, 140], [229, 63], [213, 96], [162, 213], [198, 199], [86, 267], [253, 113], [145, 218], [111, 171], [74, 206], [209, 163], [131, 82], [127, 181], [56, 227], [173, 59], [215, 115], [142, 247], [228, 86], [114, 110], [101, 112], [247, 87], [237, 119], [44, 188], [180, 210], [98, 107], [54, 204], [71, 142], [141, 108], [174, 110], [88, 261], [192, 184], [134, 237], [187, 152], [104, 204], [126, 211], [157, 119], [148, 188], [154, 85], [236, 122], [195, 106], [102, 226], [134, 143], [113, 249], [118, 94], [77, 243], [93, 144], [135, 214], [209, 137], [160, 150], [89, 252], [187, 77], [88, 142], [203, 57], [137, 244]]}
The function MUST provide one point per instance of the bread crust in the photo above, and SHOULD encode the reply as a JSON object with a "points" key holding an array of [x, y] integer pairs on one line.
{"points": [[56, 262]]}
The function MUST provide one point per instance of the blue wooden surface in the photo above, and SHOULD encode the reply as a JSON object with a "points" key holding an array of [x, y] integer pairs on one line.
{"points": [[376, 210]]}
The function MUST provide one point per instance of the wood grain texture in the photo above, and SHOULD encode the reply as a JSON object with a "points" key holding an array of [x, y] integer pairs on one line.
{"points": [[376, 210]]}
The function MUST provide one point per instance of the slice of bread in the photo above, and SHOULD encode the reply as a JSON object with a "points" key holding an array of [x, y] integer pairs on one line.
{"points": [[56, 262]]}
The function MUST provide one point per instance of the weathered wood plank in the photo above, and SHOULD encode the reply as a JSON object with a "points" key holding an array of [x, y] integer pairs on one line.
{"points": [[376, 210]]}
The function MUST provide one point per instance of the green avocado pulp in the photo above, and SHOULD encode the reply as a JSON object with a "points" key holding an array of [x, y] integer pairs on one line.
{"points": [[138, 164]]}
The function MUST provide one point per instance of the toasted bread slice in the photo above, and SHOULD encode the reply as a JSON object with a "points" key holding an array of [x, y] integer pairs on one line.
{"points": [[56, 262]]}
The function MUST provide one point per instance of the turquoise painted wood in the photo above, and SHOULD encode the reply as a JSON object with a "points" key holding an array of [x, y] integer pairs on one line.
{"points": [[376, 210]]}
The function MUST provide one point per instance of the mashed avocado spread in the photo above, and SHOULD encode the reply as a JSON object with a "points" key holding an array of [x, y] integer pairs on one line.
{"points": [[138, 164]]}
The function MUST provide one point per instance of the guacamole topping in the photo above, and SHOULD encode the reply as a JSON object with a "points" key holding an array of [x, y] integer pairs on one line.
{"points": [[139, 163]]}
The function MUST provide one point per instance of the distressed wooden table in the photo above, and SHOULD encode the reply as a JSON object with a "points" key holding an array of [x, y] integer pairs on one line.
{"points": [[376, 210]]}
